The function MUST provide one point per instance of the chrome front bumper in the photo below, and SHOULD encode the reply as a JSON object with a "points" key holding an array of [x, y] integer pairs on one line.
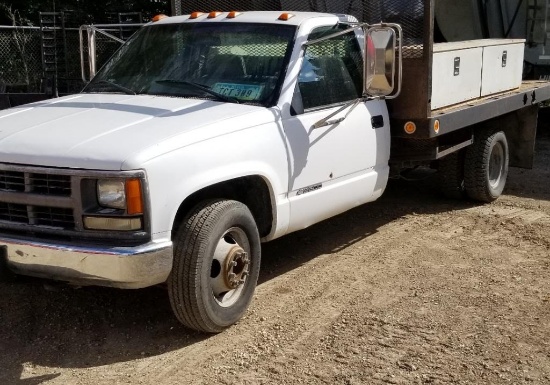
{"points": [[122, 267]]}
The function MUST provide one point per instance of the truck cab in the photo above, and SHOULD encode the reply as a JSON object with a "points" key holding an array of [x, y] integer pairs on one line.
{"points": [[204, 135]]}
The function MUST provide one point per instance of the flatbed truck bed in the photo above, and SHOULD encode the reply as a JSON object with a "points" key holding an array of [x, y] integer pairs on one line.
{"points": [[475, 111], [449, 129]]}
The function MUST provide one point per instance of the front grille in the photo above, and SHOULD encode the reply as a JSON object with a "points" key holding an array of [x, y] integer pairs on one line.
{"points": [[37, 215], [52, 216], [13, 213], [12, 181], [46, 184], [36, 197]]}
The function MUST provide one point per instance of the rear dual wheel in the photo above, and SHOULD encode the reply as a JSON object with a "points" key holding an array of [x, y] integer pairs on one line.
{"points": [[479, 172], [486, 166], [216, 265]]}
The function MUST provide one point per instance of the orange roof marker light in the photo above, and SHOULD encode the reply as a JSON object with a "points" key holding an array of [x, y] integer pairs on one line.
{"points": [[159, 17], [214, 14], [286, 16], [196, 15], [233, 14]]}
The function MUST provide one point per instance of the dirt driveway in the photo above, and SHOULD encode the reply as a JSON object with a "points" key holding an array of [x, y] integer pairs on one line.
{"points": [[411, 289]]}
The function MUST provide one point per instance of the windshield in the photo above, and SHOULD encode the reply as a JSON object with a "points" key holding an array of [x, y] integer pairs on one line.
{"points": [[233, 62]]}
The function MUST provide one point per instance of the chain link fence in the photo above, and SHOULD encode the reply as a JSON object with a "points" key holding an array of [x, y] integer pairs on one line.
{"points": [[408, 13], [21, 65], [21, 61]]}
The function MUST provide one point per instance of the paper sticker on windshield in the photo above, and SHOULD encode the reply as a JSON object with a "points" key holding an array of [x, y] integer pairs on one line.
{"points": [[239, 91]]}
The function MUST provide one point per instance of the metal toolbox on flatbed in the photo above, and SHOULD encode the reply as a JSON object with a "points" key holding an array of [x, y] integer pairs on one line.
{"points": [[468, 70]]}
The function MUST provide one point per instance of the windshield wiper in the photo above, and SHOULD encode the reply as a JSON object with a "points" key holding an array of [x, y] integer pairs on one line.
{"points": [[114, 85], [206, 89]]}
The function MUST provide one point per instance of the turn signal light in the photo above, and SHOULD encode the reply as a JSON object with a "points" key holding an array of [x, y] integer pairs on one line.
{"points": [[286, 16], [134, 201]]}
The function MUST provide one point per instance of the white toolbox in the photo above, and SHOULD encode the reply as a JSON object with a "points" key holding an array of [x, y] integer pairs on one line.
{"points": [[467, 70]]}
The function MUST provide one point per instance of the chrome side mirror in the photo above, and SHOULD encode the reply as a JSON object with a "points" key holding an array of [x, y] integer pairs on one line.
{"points": [[382, 69]]}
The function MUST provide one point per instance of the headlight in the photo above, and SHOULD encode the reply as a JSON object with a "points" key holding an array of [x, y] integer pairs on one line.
{"points": [[111, 193], [117, 204]]}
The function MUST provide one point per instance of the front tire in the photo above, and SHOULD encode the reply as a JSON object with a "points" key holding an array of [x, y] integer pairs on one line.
{"points": [[486, 166], [216, 265]]}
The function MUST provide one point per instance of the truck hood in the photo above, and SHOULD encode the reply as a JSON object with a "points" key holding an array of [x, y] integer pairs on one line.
{"points": [[115, 132]]}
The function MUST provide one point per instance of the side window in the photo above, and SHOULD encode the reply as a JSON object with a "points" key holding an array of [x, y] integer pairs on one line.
{"points": [[332, 70]]}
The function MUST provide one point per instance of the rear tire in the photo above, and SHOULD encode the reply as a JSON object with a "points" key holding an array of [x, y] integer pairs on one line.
{"points": [[486, 166], [451, 175], [216, 265]]}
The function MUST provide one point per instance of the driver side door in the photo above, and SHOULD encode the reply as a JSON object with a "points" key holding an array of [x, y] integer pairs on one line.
{"points": [[345, 162]]}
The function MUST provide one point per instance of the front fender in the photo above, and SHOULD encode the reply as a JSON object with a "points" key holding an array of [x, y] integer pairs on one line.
{"points": [[256, 151]]}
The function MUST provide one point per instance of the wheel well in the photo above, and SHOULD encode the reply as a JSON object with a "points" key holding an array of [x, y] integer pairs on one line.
{"points": [[520, 128], [253, 191]]}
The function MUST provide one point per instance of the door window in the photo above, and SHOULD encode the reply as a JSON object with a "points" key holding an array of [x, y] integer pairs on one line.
{"points": [[331, 72]]}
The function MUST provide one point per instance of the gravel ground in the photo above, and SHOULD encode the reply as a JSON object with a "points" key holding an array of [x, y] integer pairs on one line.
{"points": [[411, 289]]}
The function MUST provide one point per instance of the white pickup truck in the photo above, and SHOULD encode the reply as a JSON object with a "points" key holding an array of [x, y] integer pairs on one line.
{"points": [[207, 134]]}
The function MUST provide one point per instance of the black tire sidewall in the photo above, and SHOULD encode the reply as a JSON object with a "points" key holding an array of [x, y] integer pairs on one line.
{"points": [[239, 216]]}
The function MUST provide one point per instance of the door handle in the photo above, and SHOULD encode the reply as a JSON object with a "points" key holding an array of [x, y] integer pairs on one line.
{"points": [[377, 121], [328, 123]]}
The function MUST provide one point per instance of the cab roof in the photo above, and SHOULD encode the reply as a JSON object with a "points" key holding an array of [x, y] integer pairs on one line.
{"points": [[268, 17]]}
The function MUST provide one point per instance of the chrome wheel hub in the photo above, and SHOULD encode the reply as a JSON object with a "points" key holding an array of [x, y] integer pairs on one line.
{"points": [[230, 267], [496, 165]]}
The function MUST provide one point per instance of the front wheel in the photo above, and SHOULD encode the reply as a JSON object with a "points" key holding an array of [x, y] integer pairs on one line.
{"points": [[216, 265], [486, 166]]}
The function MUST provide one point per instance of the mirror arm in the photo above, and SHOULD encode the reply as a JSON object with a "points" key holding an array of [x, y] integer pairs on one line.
{"points": [[327, 122], [333, 35]]}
